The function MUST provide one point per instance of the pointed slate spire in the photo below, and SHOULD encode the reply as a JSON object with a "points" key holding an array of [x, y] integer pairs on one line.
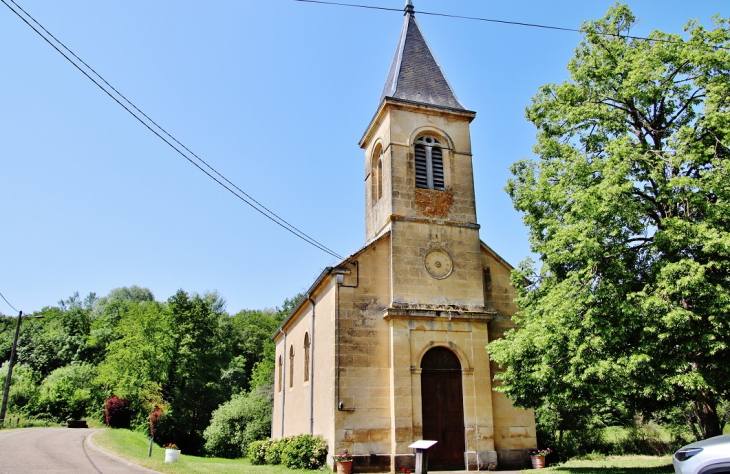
{"points": [[415, 74]]}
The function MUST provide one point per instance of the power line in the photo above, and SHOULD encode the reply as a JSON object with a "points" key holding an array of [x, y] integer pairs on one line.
{"points": [[490, 20], [263, 210], [8, 302]]}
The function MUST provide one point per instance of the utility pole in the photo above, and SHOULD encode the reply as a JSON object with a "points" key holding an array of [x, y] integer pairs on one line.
{"points": [[10, 368]]}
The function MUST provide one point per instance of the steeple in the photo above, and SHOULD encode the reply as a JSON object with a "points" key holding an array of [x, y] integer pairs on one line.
{"points": [[414, 74]]}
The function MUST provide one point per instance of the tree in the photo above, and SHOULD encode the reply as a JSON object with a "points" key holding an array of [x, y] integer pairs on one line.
{"points": [[199, 354], [629, 210], [137, 361], [108, 310]]}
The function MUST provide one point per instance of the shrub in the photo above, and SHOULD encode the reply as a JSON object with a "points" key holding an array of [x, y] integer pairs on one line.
{"points": [[155, 421], [117, 413], [274, 449], [69, 392], [238, 422], [304, 452], [257, 451]]}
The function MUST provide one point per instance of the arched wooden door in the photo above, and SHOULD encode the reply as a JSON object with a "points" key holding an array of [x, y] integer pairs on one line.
{"points": [[443, 409]]}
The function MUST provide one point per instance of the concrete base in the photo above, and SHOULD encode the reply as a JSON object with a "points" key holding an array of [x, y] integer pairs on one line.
{"points": [[513, 458], [371, 463], [480, 460]]}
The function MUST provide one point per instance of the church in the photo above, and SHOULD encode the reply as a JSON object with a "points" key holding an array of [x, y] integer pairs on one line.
{"points": [[389, 346]]}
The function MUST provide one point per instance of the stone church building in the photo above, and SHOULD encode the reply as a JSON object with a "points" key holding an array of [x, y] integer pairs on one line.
{"points": [[388, 347]]}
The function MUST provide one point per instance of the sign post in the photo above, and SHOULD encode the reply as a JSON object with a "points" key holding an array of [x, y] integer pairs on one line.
{"points": [[421, 448]]}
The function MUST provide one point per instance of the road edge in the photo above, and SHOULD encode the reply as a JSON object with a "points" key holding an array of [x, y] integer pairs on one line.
{"points": [[120, 459]]}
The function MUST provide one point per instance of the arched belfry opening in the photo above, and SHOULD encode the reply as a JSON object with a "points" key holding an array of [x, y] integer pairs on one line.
{"points": [[442, 401]]}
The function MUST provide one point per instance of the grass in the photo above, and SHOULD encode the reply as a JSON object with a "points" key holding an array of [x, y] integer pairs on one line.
{"points": [[598, 464], [14, 421], [134, 446]]}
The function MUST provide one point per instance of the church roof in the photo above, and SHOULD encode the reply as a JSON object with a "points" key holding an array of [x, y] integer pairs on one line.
{"points": [[415, 75]]}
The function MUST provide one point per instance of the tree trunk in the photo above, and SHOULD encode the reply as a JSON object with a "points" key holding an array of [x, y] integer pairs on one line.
{"points": [[706, 410]]}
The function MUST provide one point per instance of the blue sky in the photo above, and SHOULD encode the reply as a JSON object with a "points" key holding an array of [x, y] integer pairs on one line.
{"points": [[275, 94]]}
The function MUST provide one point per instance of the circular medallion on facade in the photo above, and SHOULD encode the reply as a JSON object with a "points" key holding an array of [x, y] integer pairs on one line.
{"points": [[438, 263]]}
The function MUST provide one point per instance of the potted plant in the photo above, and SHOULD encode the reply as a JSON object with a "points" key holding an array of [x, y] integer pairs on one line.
{"points": [[172, 452], [344, 463], [537, 457]]}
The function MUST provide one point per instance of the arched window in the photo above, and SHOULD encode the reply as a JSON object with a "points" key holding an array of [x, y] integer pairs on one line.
{"points": [[280, 371], [379, 184], [377, 173], [306, 357], [429, 163], [291, 366]]}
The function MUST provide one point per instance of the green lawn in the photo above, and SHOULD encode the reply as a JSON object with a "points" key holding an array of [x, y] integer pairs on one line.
{"points": [[615, 465], [134, 446]]}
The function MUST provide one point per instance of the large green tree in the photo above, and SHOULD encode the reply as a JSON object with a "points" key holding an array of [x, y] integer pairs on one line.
{"points": [[628, 207]]}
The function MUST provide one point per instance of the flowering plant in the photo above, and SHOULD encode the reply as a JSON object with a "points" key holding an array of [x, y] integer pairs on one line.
{"points": [[541, 452], [405, 471], [342, 457], [170, 446]]}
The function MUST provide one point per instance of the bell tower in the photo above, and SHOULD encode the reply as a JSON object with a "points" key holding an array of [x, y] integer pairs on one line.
{"points": [[419, 184]]}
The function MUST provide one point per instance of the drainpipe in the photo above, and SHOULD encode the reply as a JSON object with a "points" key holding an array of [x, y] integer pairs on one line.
{"points": [[311, 371], [283, 382]]}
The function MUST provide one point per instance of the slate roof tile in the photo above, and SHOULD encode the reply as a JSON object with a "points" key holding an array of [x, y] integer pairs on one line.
{"points": [[414, 74]]}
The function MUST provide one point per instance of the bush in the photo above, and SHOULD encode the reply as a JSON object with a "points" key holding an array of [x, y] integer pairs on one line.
{"points": [[69, 392], [257, 451], [238, 422], [274, 449], [117, 413], [155, 421], [304, 452]]}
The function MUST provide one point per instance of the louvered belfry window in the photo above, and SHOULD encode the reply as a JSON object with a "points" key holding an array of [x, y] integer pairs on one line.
{"points": [[429, 163]]}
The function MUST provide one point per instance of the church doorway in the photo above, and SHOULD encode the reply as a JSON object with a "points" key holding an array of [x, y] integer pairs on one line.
{"points": [[443, 409]]}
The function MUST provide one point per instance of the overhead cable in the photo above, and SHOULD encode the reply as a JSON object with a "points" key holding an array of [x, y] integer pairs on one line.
{"points": [[256, 205], [490, 20], [8, 302]]}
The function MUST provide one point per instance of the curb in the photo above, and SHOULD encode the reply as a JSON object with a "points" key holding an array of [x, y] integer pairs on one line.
{"points": [[115, 457]]}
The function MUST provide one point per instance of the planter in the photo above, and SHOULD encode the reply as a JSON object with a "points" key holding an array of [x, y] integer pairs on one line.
{"points": [[344, 467], [172, 455], [538, 462]]}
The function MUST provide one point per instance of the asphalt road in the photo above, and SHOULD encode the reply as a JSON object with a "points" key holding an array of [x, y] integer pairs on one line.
{"points": [[56, 450]]}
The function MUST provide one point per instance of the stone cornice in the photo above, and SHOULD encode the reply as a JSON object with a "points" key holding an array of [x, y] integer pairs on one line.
{"points": [[439, 312]]}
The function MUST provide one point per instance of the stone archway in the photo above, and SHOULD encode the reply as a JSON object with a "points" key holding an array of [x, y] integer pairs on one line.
{"points": [[442, 401]]}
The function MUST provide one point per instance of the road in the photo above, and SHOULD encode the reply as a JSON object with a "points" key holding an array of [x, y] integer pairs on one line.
{"points": [[57, 451]]}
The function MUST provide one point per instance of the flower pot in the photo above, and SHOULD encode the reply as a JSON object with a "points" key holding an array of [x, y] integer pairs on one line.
{"points": [[344, 467], [172, 455], [538, 462]]}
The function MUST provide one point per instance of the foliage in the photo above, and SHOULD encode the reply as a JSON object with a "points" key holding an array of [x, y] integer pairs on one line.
{"points": [[256, 452], [117, 413], [24, 387], [133, 445], [198, 354], [252, 333], [155, 420], [107, 311], [137, 361], [60, 338], [304, 452], [629, 210], [274, 450], [69, 392], [175, 362], [238, 422]]}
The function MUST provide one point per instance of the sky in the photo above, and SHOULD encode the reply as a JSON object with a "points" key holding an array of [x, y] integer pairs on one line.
{"points": [[275, 95]]}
